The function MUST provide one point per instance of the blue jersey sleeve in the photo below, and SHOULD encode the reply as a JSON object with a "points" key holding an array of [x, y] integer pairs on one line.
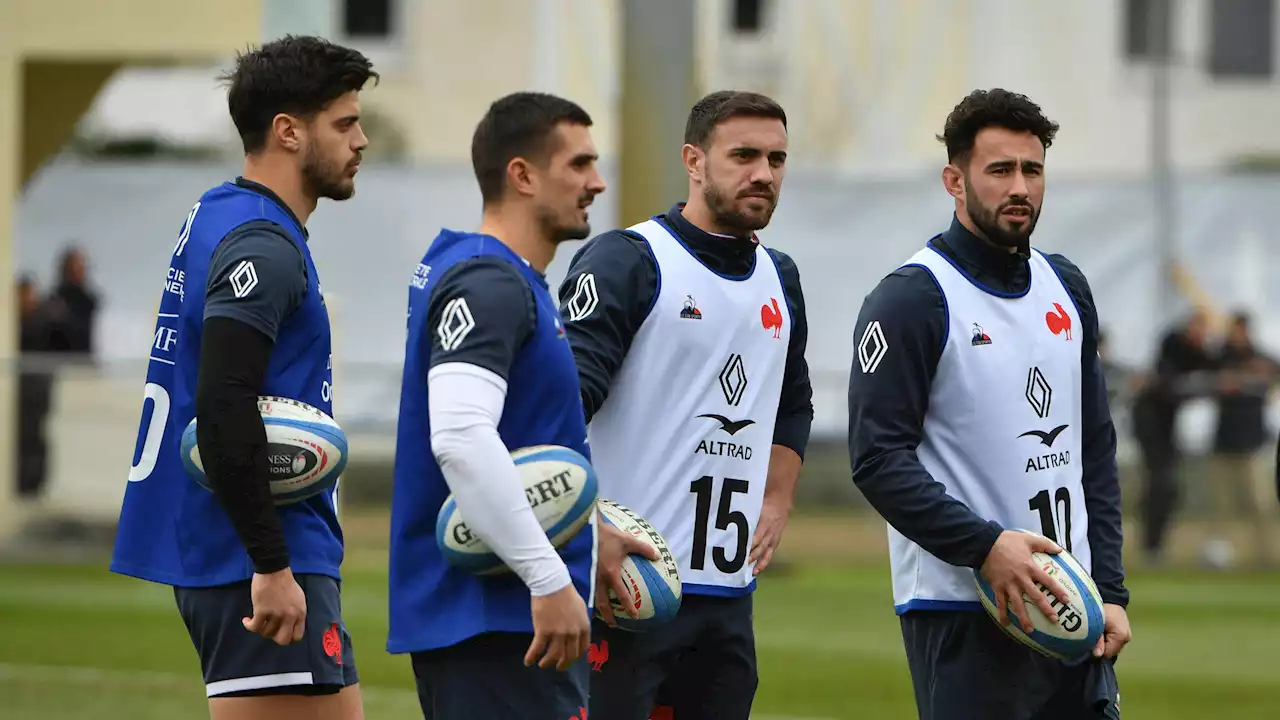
{"points": [[604, 299], [257, 276], [481, 312], [899, 337], [1101, 477]]}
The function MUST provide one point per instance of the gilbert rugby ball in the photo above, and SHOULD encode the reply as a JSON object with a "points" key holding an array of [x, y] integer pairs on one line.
{"points": [[1080, 622], [558, 482], [306, 450], [654, 585]]}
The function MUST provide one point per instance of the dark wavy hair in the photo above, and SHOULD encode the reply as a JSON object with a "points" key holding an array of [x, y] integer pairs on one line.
{"points": [[296, 75], [992, 108]]}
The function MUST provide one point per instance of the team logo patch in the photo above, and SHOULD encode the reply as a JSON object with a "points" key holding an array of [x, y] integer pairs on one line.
{"points": [[771, 318], [455, 324], [598, 654], [980, 336], [332, 642], [244, 278], [585, 299], [1059, 322], [690, 310], [872, 348]]}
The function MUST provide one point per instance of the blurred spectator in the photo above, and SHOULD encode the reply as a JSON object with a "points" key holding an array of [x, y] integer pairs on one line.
{"points": [[1122, 381], [34, 385], [73, 306], [1240, 476], [1183, 370]]}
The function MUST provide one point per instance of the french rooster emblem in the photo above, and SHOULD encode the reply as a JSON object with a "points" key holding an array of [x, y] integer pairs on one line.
{"points": [[771, 318]]}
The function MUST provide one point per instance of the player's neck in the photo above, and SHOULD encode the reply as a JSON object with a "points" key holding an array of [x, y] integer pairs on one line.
{"points": [[522, 235], [285, 182]]}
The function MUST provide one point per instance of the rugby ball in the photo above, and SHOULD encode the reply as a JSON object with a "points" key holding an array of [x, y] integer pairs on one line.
{"points": [[1080, 622], [558, 482], [654, 585], [306, 450]]}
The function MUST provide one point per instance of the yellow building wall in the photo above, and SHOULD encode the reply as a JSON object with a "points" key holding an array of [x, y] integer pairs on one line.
{"points": [[54, 56]]}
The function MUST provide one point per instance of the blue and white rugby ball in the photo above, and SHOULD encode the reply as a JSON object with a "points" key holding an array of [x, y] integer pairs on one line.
{"points": [[559, 483], [306, 450], [654, 585], [1080, 622]]}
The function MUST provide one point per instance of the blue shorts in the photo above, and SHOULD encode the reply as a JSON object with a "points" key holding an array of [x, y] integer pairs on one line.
{"points": [[964, 667], [703, 664], [485, 678], [238, 663]]}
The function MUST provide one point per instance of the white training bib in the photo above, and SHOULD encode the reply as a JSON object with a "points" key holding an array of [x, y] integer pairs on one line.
{"points": [[685, 435], [1002, 432]]}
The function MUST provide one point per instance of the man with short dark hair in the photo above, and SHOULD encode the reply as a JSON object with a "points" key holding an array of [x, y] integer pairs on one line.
{"points": [[977, 407], [689, 336], [242, 316], [488, 371]]}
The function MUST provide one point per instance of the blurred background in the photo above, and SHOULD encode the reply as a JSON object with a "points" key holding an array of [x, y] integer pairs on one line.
{"points": [[1164, 187]]}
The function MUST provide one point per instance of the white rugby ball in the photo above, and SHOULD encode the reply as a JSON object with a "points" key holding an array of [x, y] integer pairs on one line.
{"points": [[306, 450], [559, 483], [1080, 622], [654, 585]]}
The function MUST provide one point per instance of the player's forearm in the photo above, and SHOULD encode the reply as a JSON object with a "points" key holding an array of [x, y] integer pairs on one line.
{"points": [[784, 475], [916, 505], [233, 440], [466, 403]]}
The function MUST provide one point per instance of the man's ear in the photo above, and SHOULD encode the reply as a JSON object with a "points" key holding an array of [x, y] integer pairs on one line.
{"points": [[521, 176], [288, 131], [695, 161], [953, 181]]}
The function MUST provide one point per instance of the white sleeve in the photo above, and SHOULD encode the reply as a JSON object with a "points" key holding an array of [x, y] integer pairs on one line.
{"points": [[465, 405]]}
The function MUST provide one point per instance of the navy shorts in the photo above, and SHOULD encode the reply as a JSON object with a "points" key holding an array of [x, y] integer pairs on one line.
{"points": [[703, 664], [964, 667], [238, 663], [485, 678]]}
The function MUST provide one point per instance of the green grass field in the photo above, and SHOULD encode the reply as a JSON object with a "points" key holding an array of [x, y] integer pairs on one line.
{"points": [[77, 642]]}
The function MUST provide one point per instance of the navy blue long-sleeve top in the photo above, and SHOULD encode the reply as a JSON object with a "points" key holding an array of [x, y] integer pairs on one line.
{"points": [[623, 288], [887, 410]]}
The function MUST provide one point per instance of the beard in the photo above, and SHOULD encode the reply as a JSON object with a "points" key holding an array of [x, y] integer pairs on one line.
{"points": [[987, 219], [557, 230], [325, 178], [726, 215]]}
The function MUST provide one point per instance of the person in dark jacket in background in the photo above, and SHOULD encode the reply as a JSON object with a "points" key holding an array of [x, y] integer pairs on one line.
{"points": [[73, 306], [1183, 370], [34, 389], [1239, 477]]}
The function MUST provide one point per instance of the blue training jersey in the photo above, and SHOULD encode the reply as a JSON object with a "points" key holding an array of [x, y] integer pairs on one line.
{"points": [[172, 530], [433, 604]]}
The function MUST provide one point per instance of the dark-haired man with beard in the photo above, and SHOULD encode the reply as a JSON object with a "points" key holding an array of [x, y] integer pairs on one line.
{"points": [[977, 406], [242, 315], [689, 336]]}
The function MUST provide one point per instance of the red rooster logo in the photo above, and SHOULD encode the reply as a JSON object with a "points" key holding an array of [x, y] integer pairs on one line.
{"points": [[332, 643], [1058, 322], [598, 655], [771, 318]]}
